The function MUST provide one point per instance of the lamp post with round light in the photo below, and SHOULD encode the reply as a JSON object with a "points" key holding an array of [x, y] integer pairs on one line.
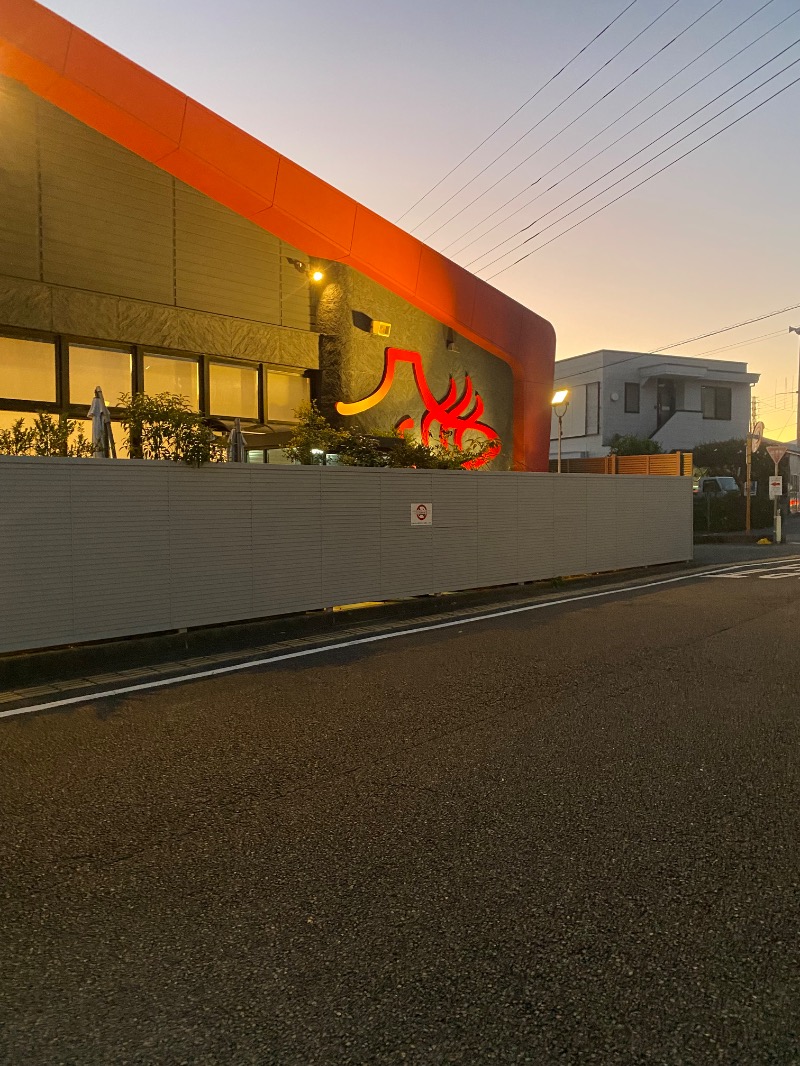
{"points": [[559, 404]]}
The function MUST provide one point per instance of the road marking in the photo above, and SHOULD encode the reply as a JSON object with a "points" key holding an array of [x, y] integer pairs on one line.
{"points": [[218, 671], [772, 571]]}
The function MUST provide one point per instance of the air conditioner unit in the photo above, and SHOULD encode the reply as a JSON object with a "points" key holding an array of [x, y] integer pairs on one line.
{"points": [[381, 329]]}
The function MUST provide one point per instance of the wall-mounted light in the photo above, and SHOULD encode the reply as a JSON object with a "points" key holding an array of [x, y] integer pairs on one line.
{"points": [[451, 341], [312, 273]]}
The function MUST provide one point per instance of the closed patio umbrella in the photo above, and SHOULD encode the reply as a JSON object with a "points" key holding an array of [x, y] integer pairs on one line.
{"points": [[237, 445], [102, 435]]}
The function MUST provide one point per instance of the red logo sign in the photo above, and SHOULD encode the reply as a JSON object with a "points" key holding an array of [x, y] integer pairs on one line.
{"points": [[456, 415], [422, 512]]}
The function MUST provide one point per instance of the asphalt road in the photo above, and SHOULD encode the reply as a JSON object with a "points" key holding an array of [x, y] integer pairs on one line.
{"points": [[563, 836]]}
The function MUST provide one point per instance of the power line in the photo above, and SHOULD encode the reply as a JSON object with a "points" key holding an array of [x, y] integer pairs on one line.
{"points": [[656, 351], [655, 174], [549, 113], [521, 107], [619, 118], [639, 152], [563, 129], [742, 344], [725, 329]]}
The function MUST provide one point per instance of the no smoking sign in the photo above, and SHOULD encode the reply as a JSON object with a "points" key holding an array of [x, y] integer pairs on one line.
{"points": [[421, 514]]}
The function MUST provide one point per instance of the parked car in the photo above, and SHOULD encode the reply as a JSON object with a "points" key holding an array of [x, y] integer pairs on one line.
{"points": [[716, 486]]}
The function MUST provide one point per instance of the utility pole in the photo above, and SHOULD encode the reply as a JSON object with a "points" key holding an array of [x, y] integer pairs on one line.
{"points": [[749, 462], [796, 329]]}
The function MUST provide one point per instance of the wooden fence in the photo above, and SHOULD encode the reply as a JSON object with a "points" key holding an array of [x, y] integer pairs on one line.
{"points": [[672, 464]]}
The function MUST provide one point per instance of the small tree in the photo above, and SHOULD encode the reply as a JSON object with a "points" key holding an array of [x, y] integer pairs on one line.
{"points": [[17, 440], [52, 437], [628, 444], [47, 436], [164, 426], [729, 458], [314, 437]]}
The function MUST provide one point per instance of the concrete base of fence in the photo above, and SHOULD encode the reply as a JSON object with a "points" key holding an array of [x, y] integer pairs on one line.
{"points": [[93, 550]]}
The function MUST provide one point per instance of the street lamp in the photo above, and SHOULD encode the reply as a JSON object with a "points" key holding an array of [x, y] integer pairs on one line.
{"points": [[560, 403]]}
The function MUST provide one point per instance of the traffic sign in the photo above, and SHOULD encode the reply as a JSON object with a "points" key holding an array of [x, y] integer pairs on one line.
{"points": [[777, 452], [421, 514], [775, 487], [756, 437]]}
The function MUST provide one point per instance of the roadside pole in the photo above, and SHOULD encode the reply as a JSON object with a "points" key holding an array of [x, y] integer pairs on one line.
{"points": [[754, 438], [776, 453]]}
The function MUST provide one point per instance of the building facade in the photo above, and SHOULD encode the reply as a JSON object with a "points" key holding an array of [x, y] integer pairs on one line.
{"points": [[677, 401], [146, 245]]}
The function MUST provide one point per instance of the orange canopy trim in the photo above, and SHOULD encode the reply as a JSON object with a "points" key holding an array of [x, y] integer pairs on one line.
{"points": [[121, 100]]}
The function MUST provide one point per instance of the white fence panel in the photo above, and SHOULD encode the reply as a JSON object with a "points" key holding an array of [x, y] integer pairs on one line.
{"points": [[91, 549]]}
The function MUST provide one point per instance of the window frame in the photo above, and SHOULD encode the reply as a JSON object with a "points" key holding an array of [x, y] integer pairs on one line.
{"points": [[628, 404], [717, 390], [9, 403], [277, 368], [260, 387]]}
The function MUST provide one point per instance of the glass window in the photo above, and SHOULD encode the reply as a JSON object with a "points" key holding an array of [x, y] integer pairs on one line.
{"points": [[631, 398], [164, 373], [716, 403], [27, 370], [234, 390], [593, 408], [285, 394], [110, 368]]}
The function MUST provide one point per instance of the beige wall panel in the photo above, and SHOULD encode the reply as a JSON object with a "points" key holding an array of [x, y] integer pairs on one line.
{"points": [[19, 183], [107, 219], [287, 539], [92, 549], [536, 548], [406, 551]]}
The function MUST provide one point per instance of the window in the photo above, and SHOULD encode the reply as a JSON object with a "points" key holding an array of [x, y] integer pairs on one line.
{"points": [[716, 403], [110, 368], [631, 398], [173, 374], [27, 370], [234, 390], [285, 394], [592, 408]]}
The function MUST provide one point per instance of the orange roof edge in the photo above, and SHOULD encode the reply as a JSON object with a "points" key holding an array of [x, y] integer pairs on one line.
{"points": [[128, 104]]}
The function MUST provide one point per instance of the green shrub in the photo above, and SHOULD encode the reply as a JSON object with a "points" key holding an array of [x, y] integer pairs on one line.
{"points": [[164, 426], [727, 514], [47, 436]]}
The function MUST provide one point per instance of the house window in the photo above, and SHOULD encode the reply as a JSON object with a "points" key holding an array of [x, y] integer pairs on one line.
{"points": [[285, 394], [631, 398], [90, 366], [180, 376], [716, 403], [592, 408], [234, 390], [27, 370]]}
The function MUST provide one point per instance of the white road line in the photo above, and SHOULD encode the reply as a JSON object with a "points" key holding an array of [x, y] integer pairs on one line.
{"points": [[90, 697]]}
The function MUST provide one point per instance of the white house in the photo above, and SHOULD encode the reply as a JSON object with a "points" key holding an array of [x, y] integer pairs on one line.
{"points": [[679, 401]]}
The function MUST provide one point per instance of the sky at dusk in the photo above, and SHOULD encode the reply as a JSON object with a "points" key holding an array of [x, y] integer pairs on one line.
{"points": [[383, 99]]}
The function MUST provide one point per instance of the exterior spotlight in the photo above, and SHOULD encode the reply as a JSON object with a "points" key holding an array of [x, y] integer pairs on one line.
{"points": [[560, 403], [317, 275]]}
